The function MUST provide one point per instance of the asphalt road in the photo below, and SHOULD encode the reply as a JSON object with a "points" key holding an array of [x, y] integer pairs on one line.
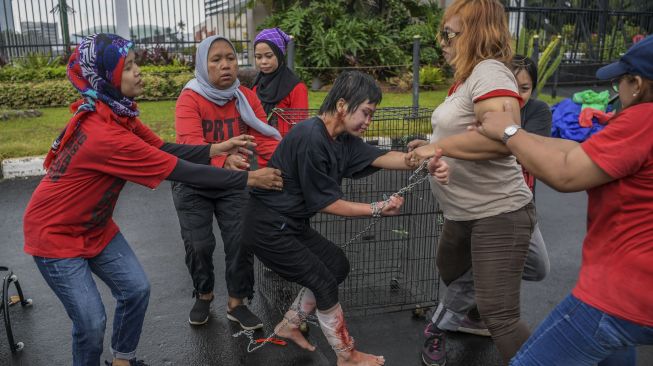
{"points": [[148, 221]]}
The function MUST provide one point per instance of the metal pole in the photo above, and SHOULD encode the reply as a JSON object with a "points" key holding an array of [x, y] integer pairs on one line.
{"points": [[121, 12], [63, 17], [554, 89], [291, 53], [536, 49], [416, 46]]}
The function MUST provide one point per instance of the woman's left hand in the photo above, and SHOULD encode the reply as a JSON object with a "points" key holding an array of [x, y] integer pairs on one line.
{"points": [[238, 144]]}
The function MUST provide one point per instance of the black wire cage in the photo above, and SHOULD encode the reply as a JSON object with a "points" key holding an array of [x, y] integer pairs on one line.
{"points": [[392, 263]]}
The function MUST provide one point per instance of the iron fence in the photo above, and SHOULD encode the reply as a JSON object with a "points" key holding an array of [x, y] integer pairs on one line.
{"points": [[593, 33], [393, 263], [52, 27]]}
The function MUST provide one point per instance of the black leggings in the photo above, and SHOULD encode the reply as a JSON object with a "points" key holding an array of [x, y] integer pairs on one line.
{"points": [[295, 251]]}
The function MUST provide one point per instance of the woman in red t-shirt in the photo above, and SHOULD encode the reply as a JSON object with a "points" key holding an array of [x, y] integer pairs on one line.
{"points": [[68, 223], [276, 85], [610, 310], [212, 108]]}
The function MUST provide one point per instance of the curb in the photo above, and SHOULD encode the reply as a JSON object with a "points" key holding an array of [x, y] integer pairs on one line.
{"points": [[22, 167]]}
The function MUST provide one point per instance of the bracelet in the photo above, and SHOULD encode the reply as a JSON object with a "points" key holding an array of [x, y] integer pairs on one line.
{"points": [[376, 210]]}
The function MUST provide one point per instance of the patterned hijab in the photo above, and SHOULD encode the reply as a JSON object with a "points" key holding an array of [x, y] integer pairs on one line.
{"points": [[201, 85], [95, 70]]}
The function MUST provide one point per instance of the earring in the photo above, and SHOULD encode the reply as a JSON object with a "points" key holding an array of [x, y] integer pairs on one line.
{"points": [[634, 94]]}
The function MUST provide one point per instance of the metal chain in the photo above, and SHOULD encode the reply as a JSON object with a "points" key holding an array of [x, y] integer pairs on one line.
{"points": [[300, 317], [419, 175]]}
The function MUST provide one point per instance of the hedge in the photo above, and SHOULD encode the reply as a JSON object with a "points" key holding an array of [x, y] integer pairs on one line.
{"points": [[56, 93], [161, 82], [17, 74]]}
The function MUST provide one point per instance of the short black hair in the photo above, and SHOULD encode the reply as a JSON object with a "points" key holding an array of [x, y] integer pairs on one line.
{"points": [[355, 88], [520, 63]]}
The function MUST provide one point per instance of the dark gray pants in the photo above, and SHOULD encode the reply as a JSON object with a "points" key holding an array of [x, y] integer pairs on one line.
{"points": [[495, 248], [296, 252], [196, 209]]}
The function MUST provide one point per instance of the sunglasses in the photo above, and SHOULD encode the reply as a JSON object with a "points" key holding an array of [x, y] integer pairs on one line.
{"points": [[615, 84], [616, 81], [447, 35]]}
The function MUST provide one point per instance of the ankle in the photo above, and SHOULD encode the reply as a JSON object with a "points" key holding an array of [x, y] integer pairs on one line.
{"points": [[347, 356], [207, 296], [119, 362], [233, 302]]}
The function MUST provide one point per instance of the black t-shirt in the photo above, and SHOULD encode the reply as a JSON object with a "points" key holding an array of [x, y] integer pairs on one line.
{"points": [[313, 166], [536, 118]]}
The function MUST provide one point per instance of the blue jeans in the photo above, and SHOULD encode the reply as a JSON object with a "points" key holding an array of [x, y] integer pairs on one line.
{"points": [[72, 282], [578, 334]]}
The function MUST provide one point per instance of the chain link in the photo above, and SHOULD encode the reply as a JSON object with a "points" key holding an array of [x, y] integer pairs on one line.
{"points": [[299, 318], [419, 175]]}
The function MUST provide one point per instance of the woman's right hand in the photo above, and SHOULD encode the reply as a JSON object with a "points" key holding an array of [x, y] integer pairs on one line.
{"points": [[419, 154], [266, 178], [416, 143], [393, 206]]}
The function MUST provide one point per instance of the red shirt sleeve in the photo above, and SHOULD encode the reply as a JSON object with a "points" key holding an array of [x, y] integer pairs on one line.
{"points": [[624, 146], [137, 161], [188, 124], [299, 97], [501, 93]]}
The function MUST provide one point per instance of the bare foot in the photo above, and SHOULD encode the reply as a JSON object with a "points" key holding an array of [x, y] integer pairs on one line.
{"points": [[286, 330], [356, 358]]}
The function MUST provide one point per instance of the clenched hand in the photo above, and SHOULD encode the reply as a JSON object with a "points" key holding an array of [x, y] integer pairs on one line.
{"points": [[266, 178]]}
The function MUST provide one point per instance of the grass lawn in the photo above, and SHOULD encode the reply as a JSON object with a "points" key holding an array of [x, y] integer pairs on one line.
{"points": [[33, 136]]}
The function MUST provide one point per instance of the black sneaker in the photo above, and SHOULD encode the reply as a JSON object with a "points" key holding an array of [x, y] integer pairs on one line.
{"points": [[132, 362], [199, 314], [247, 320]]}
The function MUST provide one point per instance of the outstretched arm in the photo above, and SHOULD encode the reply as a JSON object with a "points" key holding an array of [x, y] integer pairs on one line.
{"points": [[471, 145], [563, 165], [393, 160], [353, 209]]}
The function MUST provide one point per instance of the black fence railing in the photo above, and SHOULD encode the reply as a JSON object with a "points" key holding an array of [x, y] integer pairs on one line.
{"points": [[173, 27], [592, 33]]}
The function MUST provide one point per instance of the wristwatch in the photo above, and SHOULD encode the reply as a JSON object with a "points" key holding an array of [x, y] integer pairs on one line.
{"points": [[509, 132]]}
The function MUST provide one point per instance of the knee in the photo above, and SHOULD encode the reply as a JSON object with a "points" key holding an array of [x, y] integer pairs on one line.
{"points": [[90, 325], [342, 270], [536, 268], [536, 274], [138, 291], [203, 247]]}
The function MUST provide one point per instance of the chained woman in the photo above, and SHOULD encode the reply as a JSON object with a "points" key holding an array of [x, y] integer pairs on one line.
{"points": [[314, 157]]}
